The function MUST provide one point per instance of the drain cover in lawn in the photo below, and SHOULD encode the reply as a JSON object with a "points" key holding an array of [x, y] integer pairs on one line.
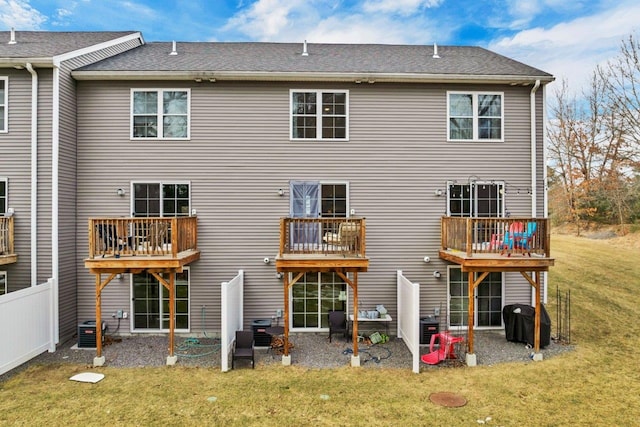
{"points": [[445, 398]]}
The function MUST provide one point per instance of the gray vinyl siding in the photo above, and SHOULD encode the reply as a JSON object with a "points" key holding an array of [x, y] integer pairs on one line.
{"points": [[45, 114], [15, 164], [67, 239], [240, 154]]}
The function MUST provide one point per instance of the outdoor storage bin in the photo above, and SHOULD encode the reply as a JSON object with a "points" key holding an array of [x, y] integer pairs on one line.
{"points": [[519, 322], [428, 326], [260, 337], [87, 334]]}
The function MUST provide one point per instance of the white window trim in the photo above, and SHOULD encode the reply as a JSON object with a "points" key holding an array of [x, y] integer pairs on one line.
{"points": [[475, 310], [475, 115], [474, 195], [346, 184], [160, 114], [319, 93], [160, 183], [3, 289], [143, 331], [5, 102]]}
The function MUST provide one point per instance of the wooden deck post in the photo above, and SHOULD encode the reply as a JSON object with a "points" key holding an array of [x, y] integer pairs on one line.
{"points": [[172, 311], [536, 339], [354, 337], [286, 314], [98, 316], [470, 313]]}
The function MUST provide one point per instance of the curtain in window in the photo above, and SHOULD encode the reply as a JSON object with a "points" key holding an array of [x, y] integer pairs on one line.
{"points": [[305, 203]]}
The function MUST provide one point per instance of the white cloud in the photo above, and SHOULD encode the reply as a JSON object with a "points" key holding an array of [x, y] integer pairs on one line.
{"points": [[268, 19], [573, 49], [20, 15], [328, 22], [402, 7], [369, 29]]}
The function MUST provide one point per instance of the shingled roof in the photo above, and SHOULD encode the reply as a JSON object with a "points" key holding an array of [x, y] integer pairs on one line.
{"points": [[43, 45], [331, 62]]}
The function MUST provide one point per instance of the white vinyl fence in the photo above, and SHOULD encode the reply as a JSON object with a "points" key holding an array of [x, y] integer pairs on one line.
{"points": [[27, 324], [409, 317], [232, 315]]}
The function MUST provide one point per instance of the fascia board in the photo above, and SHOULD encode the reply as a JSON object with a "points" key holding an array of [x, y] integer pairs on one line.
{"points": [[318, 77]]}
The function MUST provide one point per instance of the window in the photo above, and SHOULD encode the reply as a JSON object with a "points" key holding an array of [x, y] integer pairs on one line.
{"points": [[151, 299], [474, 116], [151, 302], [319, 114], [4, 101], [313, 296], [477, 199], [3, 196], [488, 295], [3, 282], [161, 199], [160, 114]]}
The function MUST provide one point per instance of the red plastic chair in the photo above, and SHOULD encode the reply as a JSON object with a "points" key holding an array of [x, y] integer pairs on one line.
{"points": [[446, 348]]}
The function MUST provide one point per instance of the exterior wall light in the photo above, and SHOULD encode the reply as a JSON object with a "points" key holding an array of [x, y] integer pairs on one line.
{"points": [[120, 192], [436, 274]]}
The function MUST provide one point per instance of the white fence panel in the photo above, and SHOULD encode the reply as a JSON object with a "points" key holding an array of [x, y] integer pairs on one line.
{"points": [[232, 315], [27, 324], [409, 317]]}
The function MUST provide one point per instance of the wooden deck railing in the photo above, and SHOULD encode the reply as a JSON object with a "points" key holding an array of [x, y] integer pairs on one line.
{"points": [[142, 236], [6, 236], [496, 235], [323, 236]]}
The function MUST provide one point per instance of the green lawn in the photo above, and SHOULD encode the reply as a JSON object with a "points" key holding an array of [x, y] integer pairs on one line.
{"points": [[597, 384]]}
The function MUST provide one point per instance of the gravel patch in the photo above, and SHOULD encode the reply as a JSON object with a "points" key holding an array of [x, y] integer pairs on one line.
{"points": [[312, 350]]}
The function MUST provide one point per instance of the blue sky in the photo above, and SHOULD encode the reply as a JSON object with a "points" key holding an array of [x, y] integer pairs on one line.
{"points": [[567, 38]]}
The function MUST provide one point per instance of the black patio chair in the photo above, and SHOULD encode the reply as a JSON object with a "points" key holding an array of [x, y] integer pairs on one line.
{"points": [[109, 237], [243, 348], [338, 323]]}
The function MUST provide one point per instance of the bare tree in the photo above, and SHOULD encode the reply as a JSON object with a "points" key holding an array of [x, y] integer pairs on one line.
{"points": [[594, 141]]}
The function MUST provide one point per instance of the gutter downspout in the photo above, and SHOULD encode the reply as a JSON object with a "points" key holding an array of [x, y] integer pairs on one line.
{"points": [[34, 174], [534, 158], [55, 197]]}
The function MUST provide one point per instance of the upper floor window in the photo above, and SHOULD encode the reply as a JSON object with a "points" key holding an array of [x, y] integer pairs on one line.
{"points": [[160, 113], [317, 114], [166, 199], [4, 100], [475, 116], [476, 199]]}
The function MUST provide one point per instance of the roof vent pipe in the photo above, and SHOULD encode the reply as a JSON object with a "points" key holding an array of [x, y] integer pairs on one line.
{"points": [[305, 52], [173, 48], [435, 51], [13, 36]]}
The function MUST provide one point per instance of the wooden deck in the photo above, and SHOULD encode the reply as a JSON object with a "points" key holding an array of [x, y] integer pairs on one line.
{"points": [[158, 246], [484, 245], [131, 245], [497, 244], [7, 251], [495, 262], [335, 245], [322, 244]]}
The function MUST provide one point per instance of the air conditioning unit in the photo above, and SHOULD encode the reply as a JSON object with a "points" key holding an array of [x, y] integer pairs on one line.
{"points": [[87, 334], [428, 326]]}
